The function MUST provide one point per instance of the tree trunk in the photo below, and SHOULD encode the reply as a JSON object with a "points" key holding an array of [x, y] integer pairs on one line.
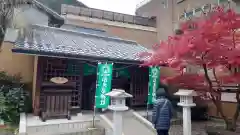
{"points": [[2, 28], [231, 125]]}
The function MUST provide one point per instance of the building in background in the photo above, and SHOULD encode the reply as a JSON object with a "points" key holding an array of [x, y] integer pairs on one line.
{"points": [[130, 27], [55, 5], [169, 13]]}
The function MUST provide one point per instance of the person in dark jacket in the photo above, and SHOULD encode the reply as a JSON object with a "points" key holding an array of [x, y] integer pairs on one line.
{"points": [[162, 113]]}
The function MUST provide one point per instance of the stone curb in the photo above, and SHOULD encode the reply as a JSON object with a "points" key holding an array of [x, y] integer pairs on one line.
{"points": [[23, 124], [144, 121]]}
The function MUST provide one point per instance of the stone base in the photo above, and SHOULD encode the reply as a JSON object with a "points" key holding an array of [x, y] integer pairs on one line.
{"points": [[81, 124]]}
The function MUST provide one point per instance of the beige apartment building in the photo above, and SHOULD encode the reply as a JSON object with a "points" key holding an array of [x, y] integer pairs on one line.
{"points": [[169, 13]]}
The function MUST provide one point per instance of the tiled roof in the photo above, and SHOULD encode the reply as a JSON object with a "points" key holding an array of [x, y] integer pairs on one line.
{"points": [[42, 40]]}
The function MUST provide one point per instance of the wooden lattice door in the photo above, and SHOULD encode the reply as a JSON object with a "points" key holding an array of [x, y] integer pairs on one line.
{"points": [[57, 100], [139, 86], [70, 69]]}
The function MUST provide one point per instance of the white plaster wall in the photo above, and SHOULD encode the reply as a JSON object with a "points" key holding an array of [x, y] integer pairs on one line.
{"points": [[26, 15], [22, 17]]}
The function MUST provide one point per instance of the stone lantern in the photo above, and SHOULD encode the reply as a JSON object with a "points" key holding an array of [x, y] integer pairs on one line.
{"points": [[118, 105], [186, 101]]}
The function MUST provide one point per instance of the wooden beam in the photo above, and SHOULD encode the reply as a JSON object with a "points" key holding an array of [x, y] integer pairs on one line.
{"points": [[35, 67]]}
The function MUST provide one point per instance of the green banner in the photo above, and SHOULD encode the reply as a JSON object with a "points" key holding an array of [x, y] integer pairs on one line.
{"points": [[154, 80], [104, 83]]}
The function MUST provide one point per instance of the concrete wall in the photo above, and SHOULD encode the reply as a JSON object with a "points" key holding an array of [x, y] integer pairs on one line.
{"points": [[149, 9], [146, 36], [163, 14], [16, 63]]}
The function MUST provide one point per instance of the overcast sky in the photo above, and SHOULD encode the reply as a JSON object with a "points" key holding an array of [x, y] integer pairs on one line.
{"points": [[121, 6]]}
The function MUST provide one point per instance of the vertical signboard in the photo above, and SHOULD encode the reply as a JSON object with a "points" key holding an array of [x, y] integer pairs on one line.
{"points": [[104, 83], [154, 80]]}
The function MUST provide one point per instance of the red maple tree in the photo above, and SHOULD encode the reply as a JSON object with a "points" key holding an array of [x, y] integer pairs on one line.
{"points": [[211, 44]]}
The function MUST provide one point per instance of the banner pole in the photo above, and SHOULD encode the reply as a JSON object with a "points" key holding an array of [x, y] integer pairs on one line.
{"points": [[147, 101], [94, 108], [147, 111], [148, 94], [94, 114]]}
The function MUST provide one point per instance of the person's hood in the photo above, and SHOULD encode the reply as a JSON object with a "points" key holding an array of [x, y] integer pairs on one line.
{"points": [[160, 93]]}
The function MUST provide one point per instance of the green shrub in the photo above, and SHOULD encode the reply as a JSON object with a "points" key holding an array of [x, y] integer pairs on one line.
{"points": [[14, 98]]}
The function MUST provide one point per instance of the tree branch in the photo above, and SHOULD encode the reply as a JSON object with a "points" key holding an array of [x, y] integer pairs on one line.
{"points": [[215, 77], [234, 40]]}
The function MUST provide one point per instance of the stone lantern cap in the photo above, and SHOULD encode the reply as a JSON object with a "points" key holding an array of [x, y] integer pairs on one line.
{"points": [[118, 93], [183, 92]]}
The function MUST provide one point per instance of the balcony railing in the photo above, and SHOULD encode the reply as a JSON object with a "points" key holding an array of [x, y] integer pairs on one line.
{"points": [[108, 15], [197, 12]]}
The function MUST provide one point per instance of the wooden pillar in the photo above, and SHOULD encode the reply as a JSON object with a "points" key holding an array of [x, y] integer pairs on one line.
{"points": [[36, 84], [34, 80]]}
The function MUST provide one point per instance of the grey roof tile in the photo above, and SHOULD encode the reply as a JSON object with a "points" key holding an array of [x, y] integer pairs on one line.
{"points": [[60, 41]]}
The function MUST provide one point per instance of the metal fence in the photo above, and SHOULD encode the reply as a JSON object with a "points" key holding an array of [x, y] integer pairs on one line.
{"points": [[108, 15]]}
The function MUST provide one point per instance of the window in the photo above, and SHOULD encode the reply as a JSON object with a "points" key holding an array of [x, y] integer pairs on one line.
{"points": [[198, 10], [189, 14], [195, 12], [206, 7], [222, 1], [165, 3]]}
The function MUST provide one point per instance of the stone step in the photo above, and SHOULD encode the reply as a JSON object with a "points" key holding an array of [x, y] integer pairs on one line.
{"points": [[175, 121], [96, 131], [131, 126]]}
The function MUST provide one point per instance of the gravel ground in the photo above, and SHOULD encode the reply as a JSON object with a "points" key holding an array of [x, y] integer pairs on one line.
{"points": [[5, 133], [198, 128]]}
